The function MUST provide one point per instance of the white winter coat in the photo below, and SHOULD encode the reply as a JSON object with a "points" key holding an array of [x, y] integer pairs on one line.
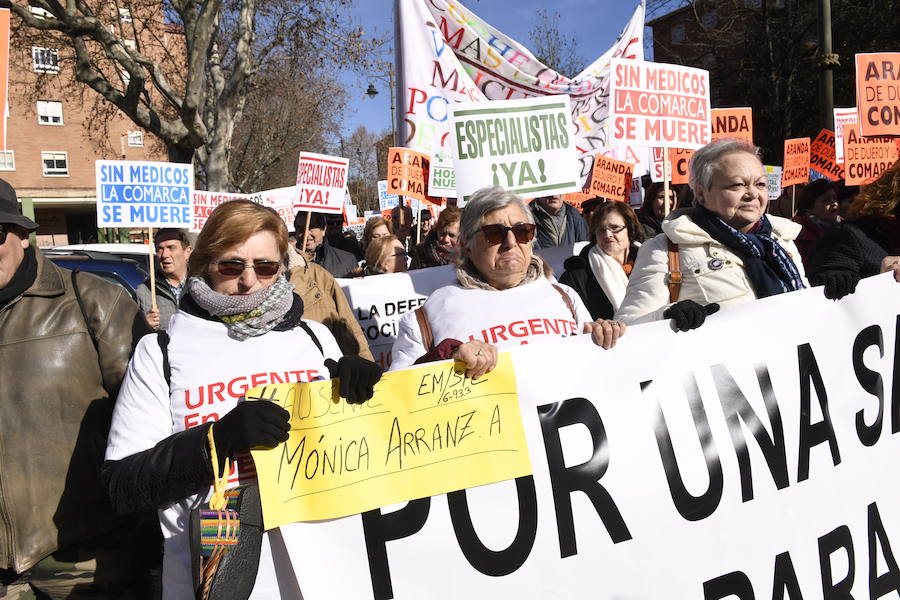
{"points": [[647, 295]]}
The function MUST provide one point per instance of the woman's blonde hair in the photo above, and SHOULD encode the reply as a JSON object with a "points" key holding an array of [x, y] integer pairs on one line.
{"points": [[379, 249], [231, 224], [881, 198], [371, 224]]}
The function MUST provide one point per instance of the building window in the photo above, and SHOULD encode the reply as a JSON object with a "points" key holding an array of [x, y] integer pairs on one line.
{"points": [[56, 164], [49, 112], [708, 61], [45, 60], [125, 15], [136, 138], [755, 4], [678, 33], [130, 44], [709, 20], [7, 160]]}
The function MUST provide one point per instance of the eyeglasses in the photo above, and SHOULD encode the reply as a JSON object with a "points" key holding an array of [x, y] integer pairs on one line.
{"points": [[236, 268], [496, 233], [613, 229]]}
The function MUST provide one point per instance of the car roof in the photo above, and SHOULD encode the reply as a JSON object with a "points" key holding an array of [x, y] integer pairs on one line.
{"points": [[127, 269], [110, 248]]}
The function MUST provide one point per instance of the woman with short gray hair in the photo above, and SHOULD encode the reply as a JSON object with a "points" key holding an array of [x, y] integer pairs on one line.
{"points": [[504, 295], [724, 250]]}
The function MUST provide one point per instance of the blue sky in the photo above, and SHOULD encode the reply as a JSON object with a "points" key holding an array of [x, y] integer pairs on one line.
{"points": [[594, 23]]}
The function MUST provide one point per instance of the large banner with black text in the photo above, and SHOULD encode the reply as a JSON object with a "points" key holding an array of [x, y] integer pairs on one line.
{"points": [[755, 457]]}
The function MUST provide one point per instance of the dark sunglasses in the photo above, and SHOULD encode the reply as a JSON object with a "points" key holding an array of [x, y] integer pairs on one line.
{"points": [[496, 233], [235, 268]]}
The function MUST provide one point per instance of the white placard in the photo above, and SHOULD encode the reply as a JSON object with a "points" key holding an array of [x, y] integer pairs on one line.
{"points": [[321, 180], [134, 193], [842, 116]]}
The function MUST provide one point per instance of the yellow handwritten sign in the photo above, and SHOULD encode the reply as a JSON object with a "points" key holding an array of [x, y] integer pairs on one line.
{"points": [[425, 431]]}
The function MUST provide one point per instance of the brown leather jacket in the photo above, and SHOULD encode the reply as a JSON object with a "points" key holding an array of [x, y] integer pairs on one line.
{"points": [[56, 402], [324, 302]]}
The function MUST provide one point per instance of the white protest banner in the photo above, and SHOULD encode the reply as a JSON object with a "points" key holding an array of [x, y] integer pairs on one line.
{"points": [[321, 180], [773, 182], [447, 54], [525, 146], [281, 200], [205, 202], [442, 176], [676, 465], [659, 105], [842, 116], [386, 201], [143, 194], [636, 199]]}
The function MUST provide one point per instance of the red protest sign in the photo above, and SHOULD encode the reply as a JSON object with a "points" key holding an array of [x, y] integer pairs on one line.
{"points": [[408, 173], [796, 162], [878, 93], [732, 123], [822, 156], [865, 158], [658, 105], [679, 158], [611, 178], [320, 183]]}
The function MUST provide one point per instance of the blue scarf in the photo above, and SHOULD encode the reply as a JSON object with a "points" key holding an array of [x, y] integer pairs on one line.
{"points": [[770, 269]]}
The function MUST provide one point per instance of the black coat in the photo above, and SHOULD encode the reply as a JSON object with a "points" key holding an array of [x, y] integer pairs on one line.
{"points": [[578, 276], [855, 246], [334, 260]]}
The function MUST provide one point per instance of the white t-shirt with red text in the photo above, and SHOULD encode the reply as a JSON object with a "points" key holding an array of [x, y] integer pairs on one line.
{"points": [[521, 315], [209, 373]]}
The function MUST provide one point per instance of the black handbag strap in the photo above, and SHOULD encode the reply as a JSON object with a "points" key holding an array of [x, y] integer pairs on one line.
{"points": [[162, 338]]}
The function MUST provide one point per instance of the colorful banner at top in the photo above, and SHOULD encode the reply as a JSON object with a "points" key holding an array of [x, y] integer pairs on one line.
{"points": [[447, 54]]}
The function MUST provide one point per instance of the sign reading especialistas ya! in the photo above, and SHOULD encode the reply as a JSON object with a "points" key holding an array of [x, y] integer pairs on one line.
{"points": [[321, 180], [659, 105], [143, 194], [525, 146]]}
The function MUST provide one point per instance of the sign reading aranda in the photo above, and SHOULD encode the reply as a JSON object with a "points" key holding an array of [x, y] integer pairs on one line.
{"points": [[143, 194]]}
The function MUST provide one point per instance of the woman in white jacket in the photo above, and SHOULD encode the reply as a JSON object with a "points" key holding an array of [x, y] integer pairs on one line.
{"points": [[722, 251]]}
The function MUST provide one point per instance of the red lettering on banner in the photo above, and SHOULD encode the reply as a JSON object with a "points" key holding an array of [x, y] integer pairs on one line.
{"points": [[237, 387], [525, 329]]}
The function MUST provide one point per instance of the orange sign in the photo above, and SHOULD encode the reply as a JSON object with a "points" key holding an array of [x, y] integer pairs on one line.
{"points": [[408, 173], [796, 162], [865, 158], [576, 199], [822, 156], [679, 158], [4, 71], [878, 93], [611, 179], [732, 123]]}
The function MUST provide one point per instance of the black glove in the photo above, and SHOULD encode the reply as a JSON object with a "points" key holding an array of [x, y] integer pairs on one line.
{"points": [[688, 315], [251, 424], [358, 377], [837, 283]]}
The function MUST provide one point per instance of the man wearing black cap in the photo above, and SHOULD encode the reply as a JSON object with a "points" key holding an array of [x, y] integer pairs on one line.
{"points": [[337, 262], [172, 251], [423, 227], [65, 341]]}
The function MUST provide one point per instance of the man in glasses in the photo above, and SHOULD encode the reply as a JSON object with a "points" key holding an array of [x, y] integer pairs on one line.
{"points": [[172, 251], [313, 241], [65, 340], [558, 223]]}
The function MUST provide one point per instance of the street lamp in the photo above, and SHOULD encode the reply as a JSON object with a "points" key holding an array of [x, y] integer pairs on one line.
{"points": [[372, 91]]}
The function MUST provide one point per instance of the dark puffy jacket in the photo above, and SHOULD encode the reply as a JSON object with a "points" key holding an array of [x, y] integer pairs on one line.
{"points": [[855, 246], [334, 260], [576, 228]]}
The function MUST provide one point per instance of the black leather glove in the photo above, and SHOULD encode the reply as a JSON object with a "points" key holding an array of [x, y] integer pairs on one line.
{"points": [[358, 377], [837, 283], [251, 424], [688, 315]]}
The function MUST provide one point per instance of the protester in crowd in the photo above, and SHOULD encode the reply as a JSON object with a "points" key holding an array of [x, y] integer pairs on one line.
{"points": [[504, 295], [866, 244], [441, 245], [324, 302], [384, 255], [600, 271], [65, 339], [817, 210], [725, 249], [239, 321], [402, 224], [376, 227], [653, 210], [172, 251], [846, 195], [334, 260], [589, 206], [422, 227], [558, 222]]}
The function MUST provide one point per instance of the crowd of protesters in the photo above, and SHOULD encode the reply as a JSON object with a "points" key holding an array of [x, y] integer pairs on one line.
{"points": [[245, 298]]}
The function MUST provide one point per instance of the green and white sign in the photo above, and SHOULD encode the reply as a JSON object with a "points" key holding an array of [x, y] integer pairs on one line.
{"points": [[525, 146], [442, 176]]}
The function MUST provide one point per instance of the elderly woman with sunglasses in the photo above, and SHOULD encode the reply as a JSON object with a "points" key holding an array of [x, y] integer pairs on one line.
{"points": [[238, 326], [503, 296]]}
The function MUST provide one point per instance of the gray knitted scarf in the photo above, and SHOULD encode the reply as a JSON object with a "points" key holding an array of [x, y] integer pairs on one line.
{"points": [[470, 279], [245, 316]]}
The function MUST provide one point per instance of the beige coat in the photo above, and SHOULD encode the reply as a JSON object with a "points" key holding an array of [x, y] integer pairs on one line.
{"points": [[647, 295], [324, 302]]}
